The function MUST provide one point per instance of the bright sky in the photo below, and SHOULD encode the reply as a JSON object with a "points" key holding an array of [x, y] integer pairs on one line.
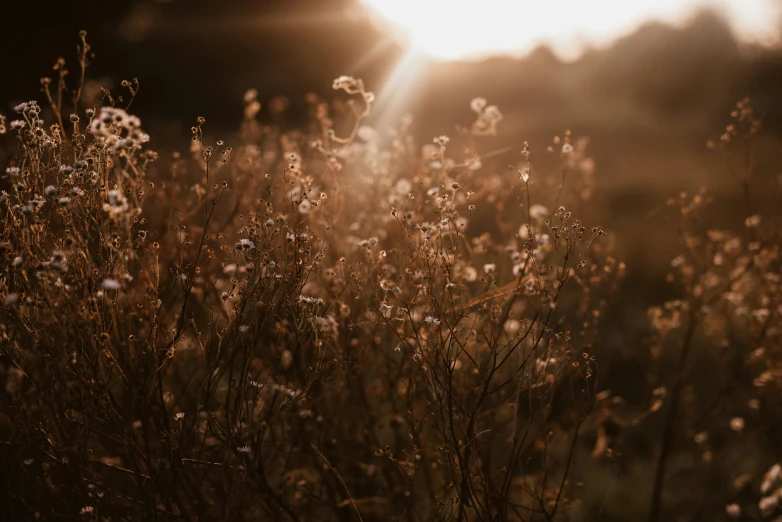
{"points": [[454, 29]]}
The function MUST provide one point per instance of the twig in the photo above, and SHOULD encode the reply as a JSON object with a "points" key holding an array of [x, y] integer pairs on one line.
{"points": [[339, 477]]}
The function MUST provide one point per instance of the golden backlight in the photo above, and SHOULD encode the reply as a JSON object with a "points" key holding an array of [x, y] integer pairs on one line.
{"points": [[465, 29]]}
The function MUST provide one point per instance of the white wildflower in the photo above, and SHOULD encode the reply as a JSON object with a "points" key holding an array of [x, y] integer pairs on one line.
{"points": [[538, 212], [752, 221], [346, 83], [478, 104], [441, 141], [110, 284], [733, 510], [244, 244]]}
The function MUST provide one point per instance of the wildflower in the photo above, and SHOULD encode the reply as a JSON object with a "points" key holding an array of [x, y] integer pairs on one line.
{"points": [[488, 118], [286, 358], [442, 141], [372, 241], [250, 95], [63, 201], [110, 284], [117, 203], [385, 310], [58, 261], [733, 510], [768, 505], [17, 262], [244, 244], [432, 321], [243, 449], [305, 207], [295, 165], [752, 221], [538, 211], [403, 186], [470, 274], [366, 133], [279, 388], [737, 424], [761, 314], [12, 171], [771, 478], [108, 122], [310, 300], [179, 416], [86, 510], [118, 129], [50, 190], [11, 299], [269, 223], [512, 326], [490, 268], [478, 104], [346, 83], [492, 112]]}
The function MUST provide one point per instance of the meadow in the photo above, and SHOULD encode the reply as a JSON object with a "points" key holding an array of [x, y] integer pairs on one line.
{"points": [[341, 322]]}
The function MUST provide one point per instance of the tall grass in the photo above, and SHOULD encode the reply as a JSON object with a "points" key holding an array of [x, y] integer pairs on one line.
{"points": [[333, 323]]}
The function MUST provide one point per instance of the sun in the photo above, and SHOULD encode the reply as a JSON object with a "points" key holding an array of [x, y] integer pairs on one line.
{"points": [[470, 29]]}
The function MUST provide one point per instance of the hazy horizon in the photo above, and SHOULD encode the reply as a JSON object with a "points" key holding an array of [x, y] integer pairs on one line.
{"points": [[500, 28]]}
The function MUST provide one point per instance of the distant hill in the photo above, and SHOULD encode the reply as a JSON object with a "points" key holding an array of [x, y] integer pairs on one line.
{"points": [[197, 57]]}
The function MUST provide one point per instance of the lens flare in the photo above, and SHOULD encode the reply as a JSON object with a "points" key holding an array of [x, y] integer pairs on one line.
{"points": [[461, 29]]}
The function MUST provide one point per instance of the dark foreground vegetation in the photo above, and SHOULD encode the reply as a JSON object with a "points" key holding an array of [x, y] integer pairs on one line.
{"points": [[338, 323]]}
